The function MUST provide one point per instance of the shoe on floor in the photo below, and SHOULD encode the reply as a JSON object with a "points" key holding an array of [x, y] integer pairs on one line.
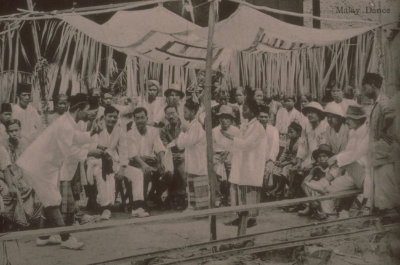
{"points": [[72, 243], [251, 222], [140, 212], [106, 215], [305, 212], [233, 222], [52, 240]]}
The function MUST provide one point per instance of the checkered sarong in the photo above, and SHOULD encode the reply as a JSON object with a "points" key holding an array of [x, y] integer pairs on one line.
{"points": [[67, 198], [244, 195], [199, 196]]}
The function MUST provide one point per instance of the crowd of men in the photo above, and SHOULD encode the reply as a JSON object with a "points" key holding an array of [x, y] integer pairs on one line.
{"points": [[151, 153]]}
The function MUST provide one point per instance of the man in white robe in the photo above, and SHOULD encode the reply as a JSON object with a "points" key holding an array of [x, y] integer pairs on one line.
{"points": [[31, 122], [248, 162], [44, 164], [193, 139]]}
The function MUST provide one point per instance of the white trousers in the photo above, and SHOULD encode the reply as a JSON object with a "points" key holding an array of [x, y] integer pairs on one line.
{"points": [[135, 176]]}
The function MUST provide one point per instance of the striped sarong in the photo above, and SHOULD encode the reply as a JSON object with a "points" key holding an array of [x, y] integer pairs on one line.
{"points": [[199, 195], [67, 198], [244, 195]]}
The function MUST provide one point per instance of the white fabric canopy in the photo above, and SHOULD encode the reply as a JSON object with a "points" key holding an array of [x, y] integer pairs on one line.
{"points": [[160, 35]]}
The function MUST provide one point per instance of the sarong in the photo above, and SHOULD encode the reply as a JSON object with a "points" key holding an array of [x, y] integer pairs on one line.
{"points": [[199, 195], [245, 195]]}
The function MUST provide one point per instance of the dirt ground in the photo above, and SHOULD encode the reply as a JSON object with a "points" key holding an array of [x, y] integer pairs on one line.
{"points": [[130, 240], [123, 241]]}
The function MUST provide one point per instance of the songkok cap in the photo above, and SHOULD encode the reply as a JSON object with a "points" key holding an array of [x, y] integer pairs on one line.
{"points": [[153, 83], [226, 110], [24, 88], [78, 99], [93, 102], [5, 107], [323, 148], [355, 112], [295, 126], [174, 88], [335, 109]]}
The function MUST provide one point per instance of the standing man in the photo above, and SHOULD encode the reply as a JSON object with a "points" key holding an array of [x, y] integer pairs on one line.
{"points": [[248, 161], [5, 116], [285, 117], [337, 133], [31, 122], [61, 106], [174, 97], [383, 144], [153, 104], [337, 95], [193, 139], [239, 97], [223, 150], [44, 160]]}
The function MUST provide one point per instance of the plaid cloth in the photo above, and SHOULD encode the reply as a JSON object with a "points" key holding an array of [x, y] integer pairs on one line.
{"points": [[199, 196], [244, 195], [67, 198]]}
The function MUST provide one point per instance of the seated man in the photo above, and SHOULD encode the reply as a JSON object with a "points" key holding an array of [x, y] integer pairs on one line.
{"points": [[317, 181], [114, 163], [222, 151], [353, 160], [168, 135], [150, 155], [20, 205]]}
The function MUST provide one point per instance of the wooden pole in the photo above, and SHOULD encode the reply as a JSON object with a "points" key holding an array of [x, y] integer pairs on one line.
{"points": [[208, 125], [316, 9], [34, 32]]}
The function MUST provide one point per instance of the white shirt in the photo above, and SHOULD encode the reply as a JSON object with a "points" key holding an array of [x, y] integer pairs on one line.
{"points": [[272, 149], [310, 140], [248, 159], [356, 149], [116, 143], [149, 144], [284, 118], [3, 134], [155, 110], [31, 122], [194, 143], [344, 104], [221, 143]]}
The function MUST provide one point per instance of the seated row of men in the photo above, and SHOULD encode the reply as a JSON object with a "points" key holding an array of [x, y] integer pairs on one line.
{"points": [[167, 163]]}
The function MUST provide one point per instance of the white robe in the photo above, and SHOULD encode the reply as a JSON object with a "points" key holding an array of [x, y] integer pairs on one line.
{"points": [[31, 122], [248, 159], [272, 149], [43, 160], [194, 143]]}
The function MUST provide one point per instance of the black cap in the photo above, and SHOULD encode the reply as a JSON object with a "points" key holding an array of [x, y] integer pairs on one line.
{"points": [[24, 88], [5, 107]]}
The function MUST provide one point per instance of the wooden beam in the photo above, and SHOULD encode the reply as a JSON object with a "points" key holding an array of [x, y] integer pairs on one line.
{"points": [[34, 32], [316, 8], [175, 216], [208, 119]]}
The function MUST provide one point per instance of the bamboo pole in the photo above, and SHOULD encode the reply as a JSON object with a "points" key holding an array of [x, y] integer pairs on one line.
{"points": [[34, 32], [208, 125]]}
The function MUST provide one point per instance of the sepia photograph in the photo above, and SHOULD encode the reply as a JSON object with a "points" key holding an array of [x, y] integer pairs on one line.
{"points": [[204, 132]]}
